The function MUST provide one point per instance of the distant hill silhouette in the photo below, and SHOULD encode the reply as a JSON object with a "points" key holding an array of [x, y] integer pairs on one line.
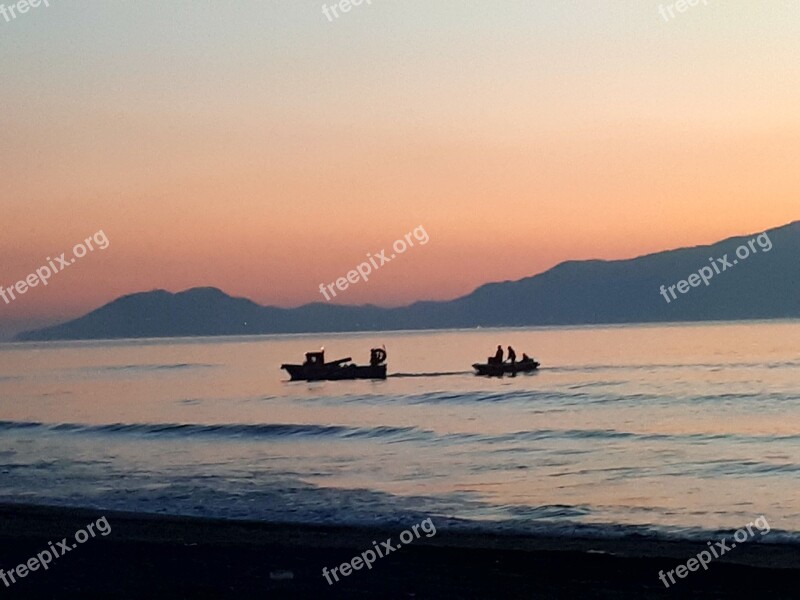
{"points": [[766, 285]]}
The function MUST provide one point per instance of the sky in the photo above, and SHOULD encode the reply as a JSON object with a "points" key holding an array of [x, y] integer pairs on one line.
{"points": [[263, 148]]}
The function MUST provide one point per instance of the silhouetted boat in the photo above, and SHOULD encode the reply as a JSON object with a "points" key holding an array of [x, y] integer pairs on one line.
{"points": [[316, 369], [496, 369]]}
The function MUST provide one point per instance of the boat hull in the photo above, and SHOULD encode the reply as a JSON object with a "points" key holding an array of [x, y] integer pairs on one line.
{"points": [[334, 372], [497, 370]]}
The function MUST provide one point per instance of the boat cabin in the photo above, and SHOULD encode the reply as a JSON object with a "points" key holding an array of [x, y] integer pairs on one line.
{"points": [[315, 358]]}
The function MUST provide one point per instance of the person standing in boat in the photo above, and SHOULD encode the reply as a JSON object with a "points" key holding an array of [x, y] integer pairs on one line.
{"points": [[498, 356], [512, 356]]}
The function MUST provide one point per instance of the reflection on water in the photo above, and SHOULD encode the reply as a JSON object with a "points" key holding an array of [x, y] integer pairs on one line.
{"points": [[668, 427]]}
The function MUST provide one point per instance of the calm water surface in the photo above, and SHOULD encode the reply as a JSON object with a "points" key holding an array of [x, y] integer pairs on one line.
{"points": [[679, 430]]}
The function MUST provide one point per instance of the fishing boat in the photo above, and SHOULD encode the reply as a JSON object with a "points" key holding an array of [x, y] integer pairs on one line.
{"points": [[316, 369], [497, 369]]}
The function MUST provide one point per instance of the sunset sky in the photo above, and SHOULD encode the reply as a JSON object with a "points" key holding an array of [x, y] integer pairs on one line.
{"points": [[258, 147]]}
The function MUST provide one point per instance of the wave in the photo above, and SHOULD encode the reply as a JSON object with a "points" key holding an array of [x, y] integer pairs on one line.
{"points": [[616, 434], [366, 509], [574, 395], [497, 396], [264, 430], [407, 434]]}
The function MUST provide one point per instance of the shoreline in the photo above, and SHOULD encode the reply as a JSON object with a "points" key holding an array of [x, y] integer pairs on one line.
{"points": [[171, 556]]}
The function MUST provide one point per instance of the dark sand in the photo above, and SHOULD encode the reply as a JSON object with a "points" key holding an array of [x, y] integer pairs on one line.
{"points": [[153, 556]]}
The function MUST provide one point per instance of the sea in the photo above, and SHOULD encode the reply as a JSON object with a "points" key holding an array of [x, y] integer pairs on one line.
{"points": [[677, 431]]}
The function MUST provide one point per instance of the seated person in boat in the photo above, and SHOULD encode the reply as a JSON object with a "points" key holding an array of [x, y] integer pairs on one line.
{"points": [[497, 358]]}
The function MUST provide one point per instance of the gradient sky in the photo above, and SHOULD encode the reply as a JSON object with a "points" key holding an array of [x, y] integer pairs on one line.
{"points": [[257, 147]]}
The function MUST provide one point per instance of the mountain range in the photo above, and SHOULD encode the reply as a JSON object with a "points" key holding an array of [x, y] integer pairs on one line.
{"points": [[763, 285]]}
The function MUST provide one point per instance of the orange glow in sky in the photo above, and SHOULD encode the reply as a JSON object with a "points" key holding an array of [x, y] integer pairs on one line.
{"points": [[265, 150]]}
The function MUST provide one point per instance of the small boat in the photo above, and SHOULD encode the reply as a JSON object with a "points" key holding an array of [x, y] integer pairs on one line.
{"points": [[497, 369], [316, 369]]}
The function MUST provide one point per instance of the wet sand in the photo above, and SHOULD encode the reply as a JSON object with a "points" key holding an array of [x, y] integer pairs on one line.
{"points": [[147, 556]]}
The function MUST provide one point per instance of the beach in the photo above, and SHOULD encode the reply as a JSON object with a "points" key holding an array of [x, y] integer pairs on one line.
{"points": [[160, 556]]}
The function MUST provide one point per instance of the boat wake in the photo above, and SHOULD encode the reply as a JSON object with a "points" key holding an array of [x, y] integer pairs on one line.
{"points": [[440, 374]]}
